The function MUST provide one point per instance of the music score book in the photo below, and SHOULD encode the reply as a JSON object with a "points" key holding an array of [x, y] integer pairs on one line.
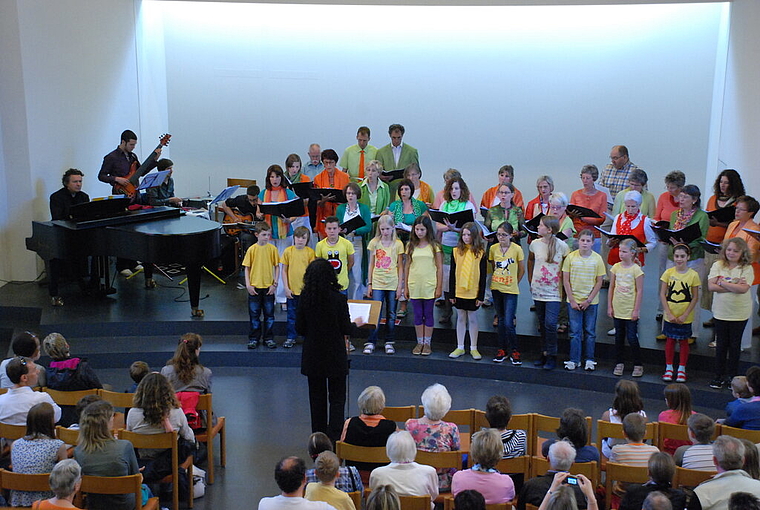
{"points": [[686, 235], [620, 237], [352, 224], [583, 212], [393, 174], [724, 214], [317, 194], [289, 208], [457, 218]]}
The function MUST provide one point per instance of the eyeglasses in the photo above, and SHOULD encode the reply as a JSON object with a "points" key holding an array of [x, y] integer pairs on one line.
{"points": [[21, 360], [501, 234]]}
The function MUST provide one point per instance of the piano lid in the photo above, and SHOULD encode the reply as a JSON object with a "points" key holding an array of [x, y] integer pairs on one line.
{"points": [[122, 218], [98, 209]]}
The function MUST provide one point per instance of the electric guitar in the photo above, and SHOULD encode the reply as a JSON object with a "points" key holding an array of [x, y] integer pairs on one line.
{"points": [[130, 188]]}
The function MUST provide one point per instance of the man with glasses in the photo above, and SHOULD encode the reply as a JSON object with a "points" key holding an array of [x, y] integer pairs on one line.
{"points": [[314, 165], [20, 398], [615, 175]]}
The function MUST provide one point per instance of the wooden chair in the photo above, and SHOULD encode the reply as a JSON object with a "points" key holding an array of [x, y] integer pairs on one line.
{"points": [[691, 477], [68, 436], [205, 404], [400, 414], [540, 465], [12, 432], [68, 398], [440, 460], [548, 424], [353, 453], [117, 399], [118, 485], [512, 466], [415, 502], [166, 440], [356, 498], [448, 504], [678, 432], [752, 435], [623, 473], [517, 422], [243, 183], [615, 430], [20, 482], [528, 506]]}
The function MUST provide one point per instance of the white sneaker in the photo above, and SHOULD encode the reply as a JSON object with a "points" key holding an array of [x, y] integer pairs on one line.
{"points": [[570, 365], [138, 267], [368, 348], [611, 332], [125, 272], [590, 365]]}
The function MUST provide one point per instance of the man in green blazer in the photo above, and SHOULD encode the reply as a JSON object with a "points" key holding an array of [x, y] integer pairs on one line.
{"points": [[396, 155]]}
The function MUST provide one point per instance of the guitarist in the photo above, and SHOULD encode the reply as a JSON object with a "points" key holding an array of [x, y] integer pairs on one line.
{"points": [[243, 208], [114, 171]]}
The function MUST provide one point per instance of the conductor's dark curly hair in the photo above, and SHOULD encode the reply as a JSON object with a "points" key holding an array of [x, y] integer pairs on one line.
{"points": [[319, 278], [155, 396]]}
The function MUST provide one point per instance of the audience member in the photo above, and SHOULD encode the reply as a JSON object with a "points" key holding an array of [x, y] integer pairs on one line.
{"points": [[661, 470], [26, 345], [327, 465], [627, 400], [431, 433], [635, 452], [498, 414], [561, 457], [348, 476], [751, 459], [137, 371], [678, 398], [699, 454], [747, 416], [562, 497], [713, 494], [370, 428], [65, 481], [184, 371], [290, 475], [405, 475], [20, 398], [573, 428], [657, 501], [383, 498], [743, 501], [740, 392], [486, 451], [469, 500], [36, 452], [82, 403]]}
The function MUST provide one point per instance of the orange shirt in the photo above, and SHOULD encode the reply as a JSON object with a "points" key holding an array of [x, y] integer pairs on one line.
{"points": [[535, 207], [715, 234], [487, 200], [596, 202], [322, 180], [753, 244], [666, 204]]}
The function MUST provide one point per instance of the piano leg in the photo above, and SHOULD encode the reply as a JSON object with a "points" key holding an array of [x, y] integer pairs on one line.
{"points": [[194, 286]]}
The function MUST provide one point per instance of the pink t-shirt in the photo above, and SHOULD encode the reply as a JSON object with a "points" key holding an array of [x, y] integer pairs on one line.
{"points": [[672, 416], [495, 487]]}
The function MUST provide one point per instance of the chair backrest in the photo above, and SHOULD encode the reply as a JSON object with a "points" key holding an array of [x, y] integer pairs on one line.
{"points": [[114, 485], [12, 431], [415, 502], [353, 453], [528, 506], [117, 399], [615, 430], [549, 425], [68, 436], [678, 432], [440, 460], [356, 499], [401, 413], [623, 473], [21, 482], [68, 398], [164, 440], [243, 183], [517, 422], [511, 466], [540, 465], [691, 477], [752, 435]]}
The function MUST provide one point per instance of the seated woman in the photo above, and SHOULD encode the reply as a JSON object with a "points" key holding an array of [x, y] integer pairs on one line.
{"points": [[405, 475], [65, 480], [383, 498], [486, 452], [67, 374], [36, 452], [661, 470], [431, 433], [100, 454], [498, 414], [184, 371], [155, 411], [348, 476], [370, 428], [573, 427]]}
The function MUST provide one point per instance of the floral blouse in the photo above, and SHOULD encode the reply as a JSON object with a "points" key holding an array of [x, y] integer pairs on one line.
{"points": [[441, 436]]}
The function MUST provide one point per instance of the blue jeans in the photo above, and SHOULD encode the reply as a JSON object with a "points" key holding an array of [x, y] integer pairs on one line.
{"points": [[388, 298], [292, 309], [625, 328], [548, 313], [582, 323], [256, 304], [505, 306]]}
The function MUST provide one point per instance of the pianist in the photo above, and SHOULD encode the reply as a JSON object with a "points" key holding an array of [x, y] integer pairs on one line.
{"points": [[60, 206], [164, 194]]}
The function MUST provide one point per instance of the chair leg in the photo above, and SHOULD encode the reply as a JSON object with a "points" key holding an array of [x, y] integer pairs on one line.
{"points": [[223, 444], [190, 499], [210, 459]]}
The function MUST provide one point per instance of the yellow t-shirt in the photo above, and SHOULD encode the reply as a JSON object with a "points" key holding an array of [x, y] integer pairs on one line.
{"points": [[583, 274], [337, 255], [262, 260], [297, 261], [339, 500], [422, 279], [384, 273], [678, 293], [467, 275], [504, 277], [729, 306], [624, 299]]}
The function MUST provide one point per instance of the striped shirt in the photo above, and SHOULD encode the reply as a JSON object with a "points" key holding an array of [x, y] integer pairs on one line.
{"points": [[515, 442], [633, 454], [698, 456]]}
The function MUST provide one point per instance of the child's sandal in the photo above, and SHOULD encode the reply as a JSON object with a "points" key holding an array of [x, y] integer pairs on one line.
{"points": [[681, 377], [668, 376]]}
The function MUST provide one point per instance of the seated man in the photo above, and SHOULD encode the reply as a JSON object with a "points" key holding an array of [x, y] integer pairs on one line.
{"points": [[561, 457], [15, 404], [290, 475], [714, 494], [698, 455], [634, 452], [327, 471], [747, 416], [164, 194]]}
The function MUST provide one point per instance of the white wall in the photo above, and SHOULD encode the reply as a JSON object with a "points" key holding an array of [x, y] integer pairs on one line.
{"points": [[546, 89]]}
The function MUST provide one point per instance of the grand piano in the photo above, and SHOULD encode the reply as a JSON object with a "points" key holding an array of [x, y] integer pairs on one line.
{"points": [[106, 228]]}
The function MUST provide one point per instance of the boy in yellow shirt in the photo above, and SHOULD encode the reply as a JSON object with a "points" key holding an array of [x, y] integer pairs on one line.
{"points": [[339, 251], [262, 271], [295, 260]]}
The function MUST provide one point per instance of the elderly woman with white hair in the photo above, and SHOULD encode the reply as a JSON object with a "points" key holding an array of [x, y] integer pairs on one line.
{"points": [[405, 475], [483, 477], [431, 433], [558, 208], [370, 428], [632, 222], [65, 480]]}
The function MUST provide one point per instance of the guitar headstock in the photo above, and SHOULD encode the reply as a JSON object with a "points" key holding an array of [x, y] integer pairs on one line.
{"points": [[163, 140]]}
